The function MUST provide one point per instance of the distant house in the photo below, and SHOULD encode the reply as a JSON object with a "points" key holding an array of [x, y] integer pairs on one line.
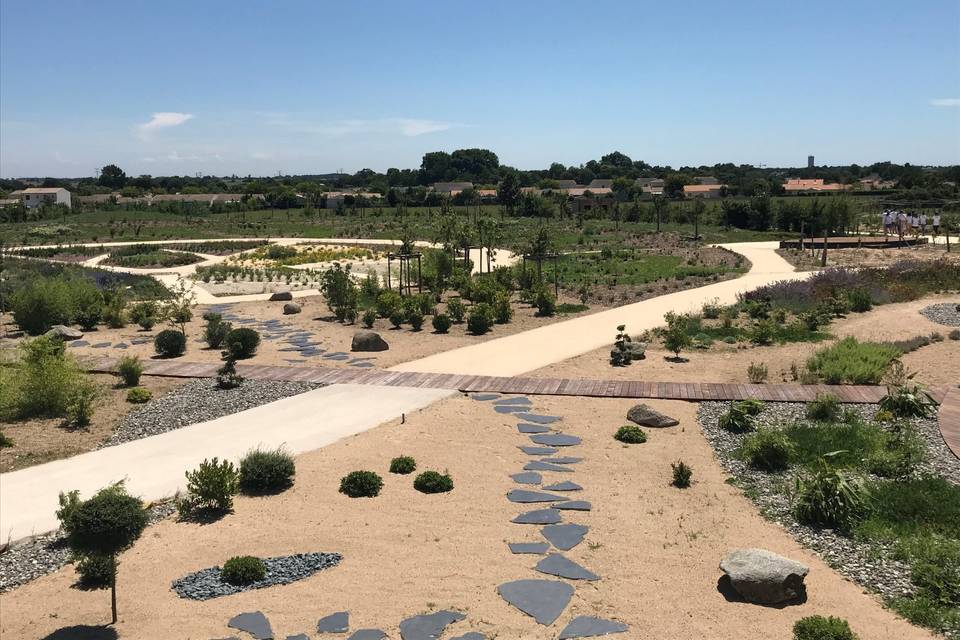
{"points": [[37, 196], [487, 194], [703, 190], [451, 188], [602, 202], [874, 182], [333, 199], [207, 198], [588, 191], [9, 202], [653, 186], [705, 180], [600, 184], [811, 185], [566, 184]]}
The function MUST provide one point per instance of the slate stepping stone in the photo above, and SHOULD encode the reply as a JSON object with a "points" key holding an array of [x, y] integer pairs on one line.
{"points": [[538, 516], [536, 465], [473, 635], [141, 340], [484, 397], [428, 626], [590, 627], [562, 460], [121, 345], [514, 400], [299, 636], [575, 505], [337, 622], [79, 343], [356, 360], [362, 365], [538, 419], [288, 349], [564, 536], [100, 345], [542, 600], [538, 451], [566, 485], [294, 360], [254, 623], [367, 634], [532, 428], [556, 439], [336, 356], [510, 408], [558, 565], [538, 548], [527, 477], [524, 496]]}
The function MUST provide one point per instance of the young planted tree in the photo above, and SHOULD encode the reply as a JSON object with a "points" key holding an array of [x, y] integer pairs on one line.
{"points": [[696, 212], [178, 310], [677, 337], [659, 208]]}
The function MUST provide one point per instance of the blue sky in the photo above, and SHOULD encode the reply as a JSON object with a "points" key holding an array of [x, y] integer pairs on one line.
{"points": [[311, 87]]}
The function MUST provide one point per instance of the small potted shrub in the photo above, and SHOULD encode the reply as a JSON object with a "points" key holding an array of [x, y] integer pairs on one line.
{"points": [[630, 434], [403, 465], [243, 570], [361, 484], [265, 472], [433, 482], [170, 343]]}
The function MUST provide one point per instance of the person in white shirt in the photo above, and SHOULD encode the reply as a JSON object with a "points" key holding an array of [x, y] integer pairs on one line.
{"points": [[888, 221], [936, 223], [923, 223]]}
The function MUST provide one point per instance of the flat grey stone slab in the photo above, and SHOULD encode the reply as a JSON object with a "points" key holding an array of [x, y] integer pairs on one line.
{"points": [[367, 634], [543, 600], [590, 627], [79, 343], [566, 485], [523, 427], [484, 397], [510, 408], [362, 365], [538, 548], [473, 635], [299, 636], [100, 345], [575, 505], [525, 495], [333, 356], [538, 516], [538, 419], [538, 451], [121, 345], [254, 623], [337, 622], [563, 460], [556, 439], [558, 565], [536, 465], [565, 536], [527, 477], [514, 400], [428, 626]]}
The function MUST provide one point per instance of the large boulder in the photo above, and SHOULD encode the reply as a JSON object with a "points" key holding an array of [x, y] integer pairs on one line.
{"points": [[281, 296], [368, 341], [764, 577], [291, 308], [649, 417], [64, 332]]}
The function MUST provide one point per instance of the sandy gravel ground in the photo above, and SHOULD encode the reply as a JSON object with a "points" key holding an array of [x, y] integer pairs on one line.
{"points": [[936, 364], [656, 547]]}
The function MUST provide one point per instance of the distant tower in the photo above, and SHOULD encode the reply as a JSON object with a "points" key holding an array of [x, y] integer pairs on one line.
{"points": [[810, 163]]}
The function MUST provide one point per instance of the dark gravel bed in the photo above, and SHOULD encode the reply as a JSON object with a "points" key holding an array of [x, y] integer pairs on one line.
{"points": [[32, 558], [871, 565], [199, 401], [206, 584], [945, 313]]}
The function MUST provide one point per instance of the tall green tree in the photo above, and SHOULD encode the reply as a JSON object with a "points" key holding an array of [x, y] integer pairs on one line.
{"points": [[112, 177], [508, 193]]}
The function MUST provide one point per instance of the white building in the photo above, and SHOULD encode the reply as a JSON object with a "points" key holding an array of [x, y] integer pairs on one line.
{"points": [[36, 196]]}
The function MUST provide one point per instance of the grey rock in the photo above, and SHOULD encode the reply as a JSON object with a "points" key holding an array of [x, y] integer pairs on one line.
{"points": [[562, 460], [428, 626], [337, 622], [543, 600], [514, 400], [484, 397], [538, 516], [281, 296], [538, 548], [526, 496], [764, 577], [79, 343], [646, 416], [367, 634], [510, 408], [538, 419], [299, 636], [556, 439], [254, 623], [365, 340], [100, 345], [473, 635], [537, 465], [565, 536], [566, 485], [574, 505], [538, 451], [527, 477], [589, 627], [523, 427], [558, 565], [64, 332], [291, 308]]}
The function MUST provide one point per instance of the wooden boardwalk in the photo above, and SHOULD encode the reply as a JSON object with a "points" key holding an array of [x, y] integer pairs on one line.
{"points": [[949, 414]]}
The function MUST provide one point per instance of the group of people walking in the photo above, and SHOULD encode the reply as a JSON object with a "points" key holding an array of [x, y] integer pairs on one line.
{"points": [[904, 223]]}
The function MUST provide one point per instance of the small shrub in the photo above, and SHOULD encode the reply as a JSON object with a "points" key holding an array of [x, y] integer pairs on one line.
{"points": [[368, 318], [676, 337], [630, 434], [456, 310], [138, 395], [768, 449], [820, 628], [170, 343], [480, 319], [751, 406], [216, 330], [853, 362], [763, 332], [388, 302], [954, 334], [87, 304], [860, 300], [826, 408], [42, 303], [241, 343], [779, 315], [130, 369], [757, 373], [243, 570], [5, 441], [441, 323], [362, 484], [736, 420], [397, 316], [146, 314], [829, 497], [96, 571], [682, 472], [210, 487], [908, 401], [711, 309], [545, 302], [502, 311], [227, 376], [415, 318], [403, 465], [80, 403], [433, 482], [264, 472]]}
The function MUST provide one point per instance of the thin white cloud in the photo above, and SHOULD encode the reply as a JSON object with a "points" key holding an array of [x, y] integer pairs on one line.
{"points": [[162, 120], [945, 102], [407, 127]]}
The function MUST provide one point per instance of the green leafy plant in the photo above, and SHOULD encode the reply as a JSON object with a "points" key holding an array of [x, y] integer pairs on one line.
{"points": [[757, 373], [215, 330], [227, 376], [853, 362], [502, 311], [5, 441], [456, 310], [241, 343], [170, 343], [825, 408], [96, 571], [243, 570], [368, 318], [480, 320], [403, 465], [397, 316], [41, 303], [737, 419], [145, 314], [415, 318], [138, 395], [441, 323], [630, 434], [821, 628], [433, 482], [767, 449], [860, 300], [545, 302], [362, 484], [266, 472], [80, 402], [750, 406], [829, 497], [388, 302], [210, 488], [676, 337], [129, 368], [682, 473]]}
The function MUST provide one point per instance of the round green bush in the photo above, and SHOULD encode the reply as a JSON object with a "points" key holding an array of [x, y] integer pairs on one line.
{"points": [[368, 318], [42, 303], [95, 571], [170, 343], [397, 317], [480, 319], [241, 343], [403, 465], [433, 482], [139, 395], [242, 570], [415, 318], [821, 628], [264, 472], [441, 323], [630, 434], [768, 449], [362, 484]]}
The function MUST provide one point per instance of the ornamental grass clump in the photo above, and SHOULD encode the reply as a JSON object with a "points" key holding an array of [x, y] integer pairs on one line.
{"points": [[830, 497], [767, 449], [129, 368], [361, 484], [433, 482], [825, 408], [850, 361]]}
